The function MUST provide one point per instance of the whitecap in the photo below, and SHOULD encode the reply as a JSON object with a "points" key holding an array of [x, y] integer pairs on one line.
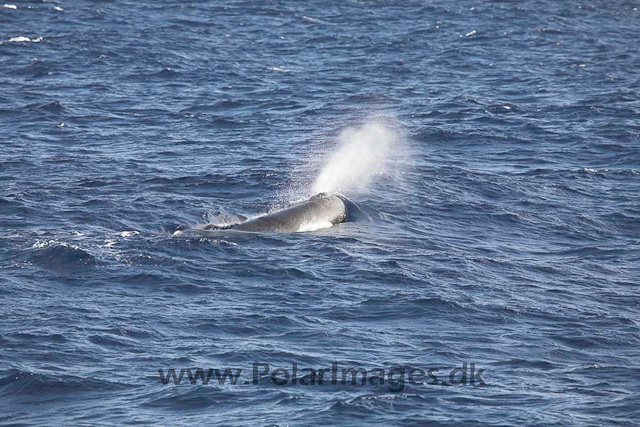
{"points": [[23, 39], [280, 69], [314, 226], [314, 20]]}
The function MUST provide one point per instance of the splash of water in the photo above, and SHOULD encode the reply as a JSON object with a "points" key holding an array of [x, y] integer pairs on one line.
{"points": [[363, 155]]}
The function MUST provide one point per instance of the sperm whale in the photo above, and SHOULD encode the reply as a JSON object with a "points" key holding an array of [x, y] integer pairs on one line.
{"points": [[321, 209]]}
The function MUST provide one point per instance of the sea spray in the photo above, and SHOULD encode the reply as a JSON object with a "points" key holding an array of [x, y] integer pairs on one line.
{"points": [[363, 155]]}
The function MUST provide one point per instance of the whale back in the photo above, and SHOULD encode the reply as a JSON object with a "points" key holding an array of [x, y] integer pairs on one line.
{"points": [[322, 208]]}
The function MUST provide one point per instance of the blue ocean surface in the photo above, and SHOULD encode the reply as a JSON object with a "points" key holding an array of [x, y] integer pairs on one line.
{"points": [[490, 154]]}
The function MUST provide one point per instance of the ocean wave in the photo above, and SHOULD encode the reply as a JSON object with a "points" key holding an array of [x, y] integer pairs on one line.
{"points": [[32, 385], [60, 255]]}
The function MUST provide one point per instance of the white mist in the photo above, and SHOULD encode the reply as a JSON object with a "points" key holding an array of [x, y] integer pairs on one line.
{"points": [[363, 155]]}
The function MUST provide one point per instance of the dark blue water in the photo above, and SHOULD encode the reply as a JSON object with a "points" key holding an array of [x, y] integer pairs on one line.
{"points": [[500, 227]]}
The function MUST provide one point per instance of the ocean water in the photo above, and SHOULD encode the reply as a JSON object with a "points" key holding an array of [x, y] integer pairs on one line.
{"points": [[492, 149]]}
